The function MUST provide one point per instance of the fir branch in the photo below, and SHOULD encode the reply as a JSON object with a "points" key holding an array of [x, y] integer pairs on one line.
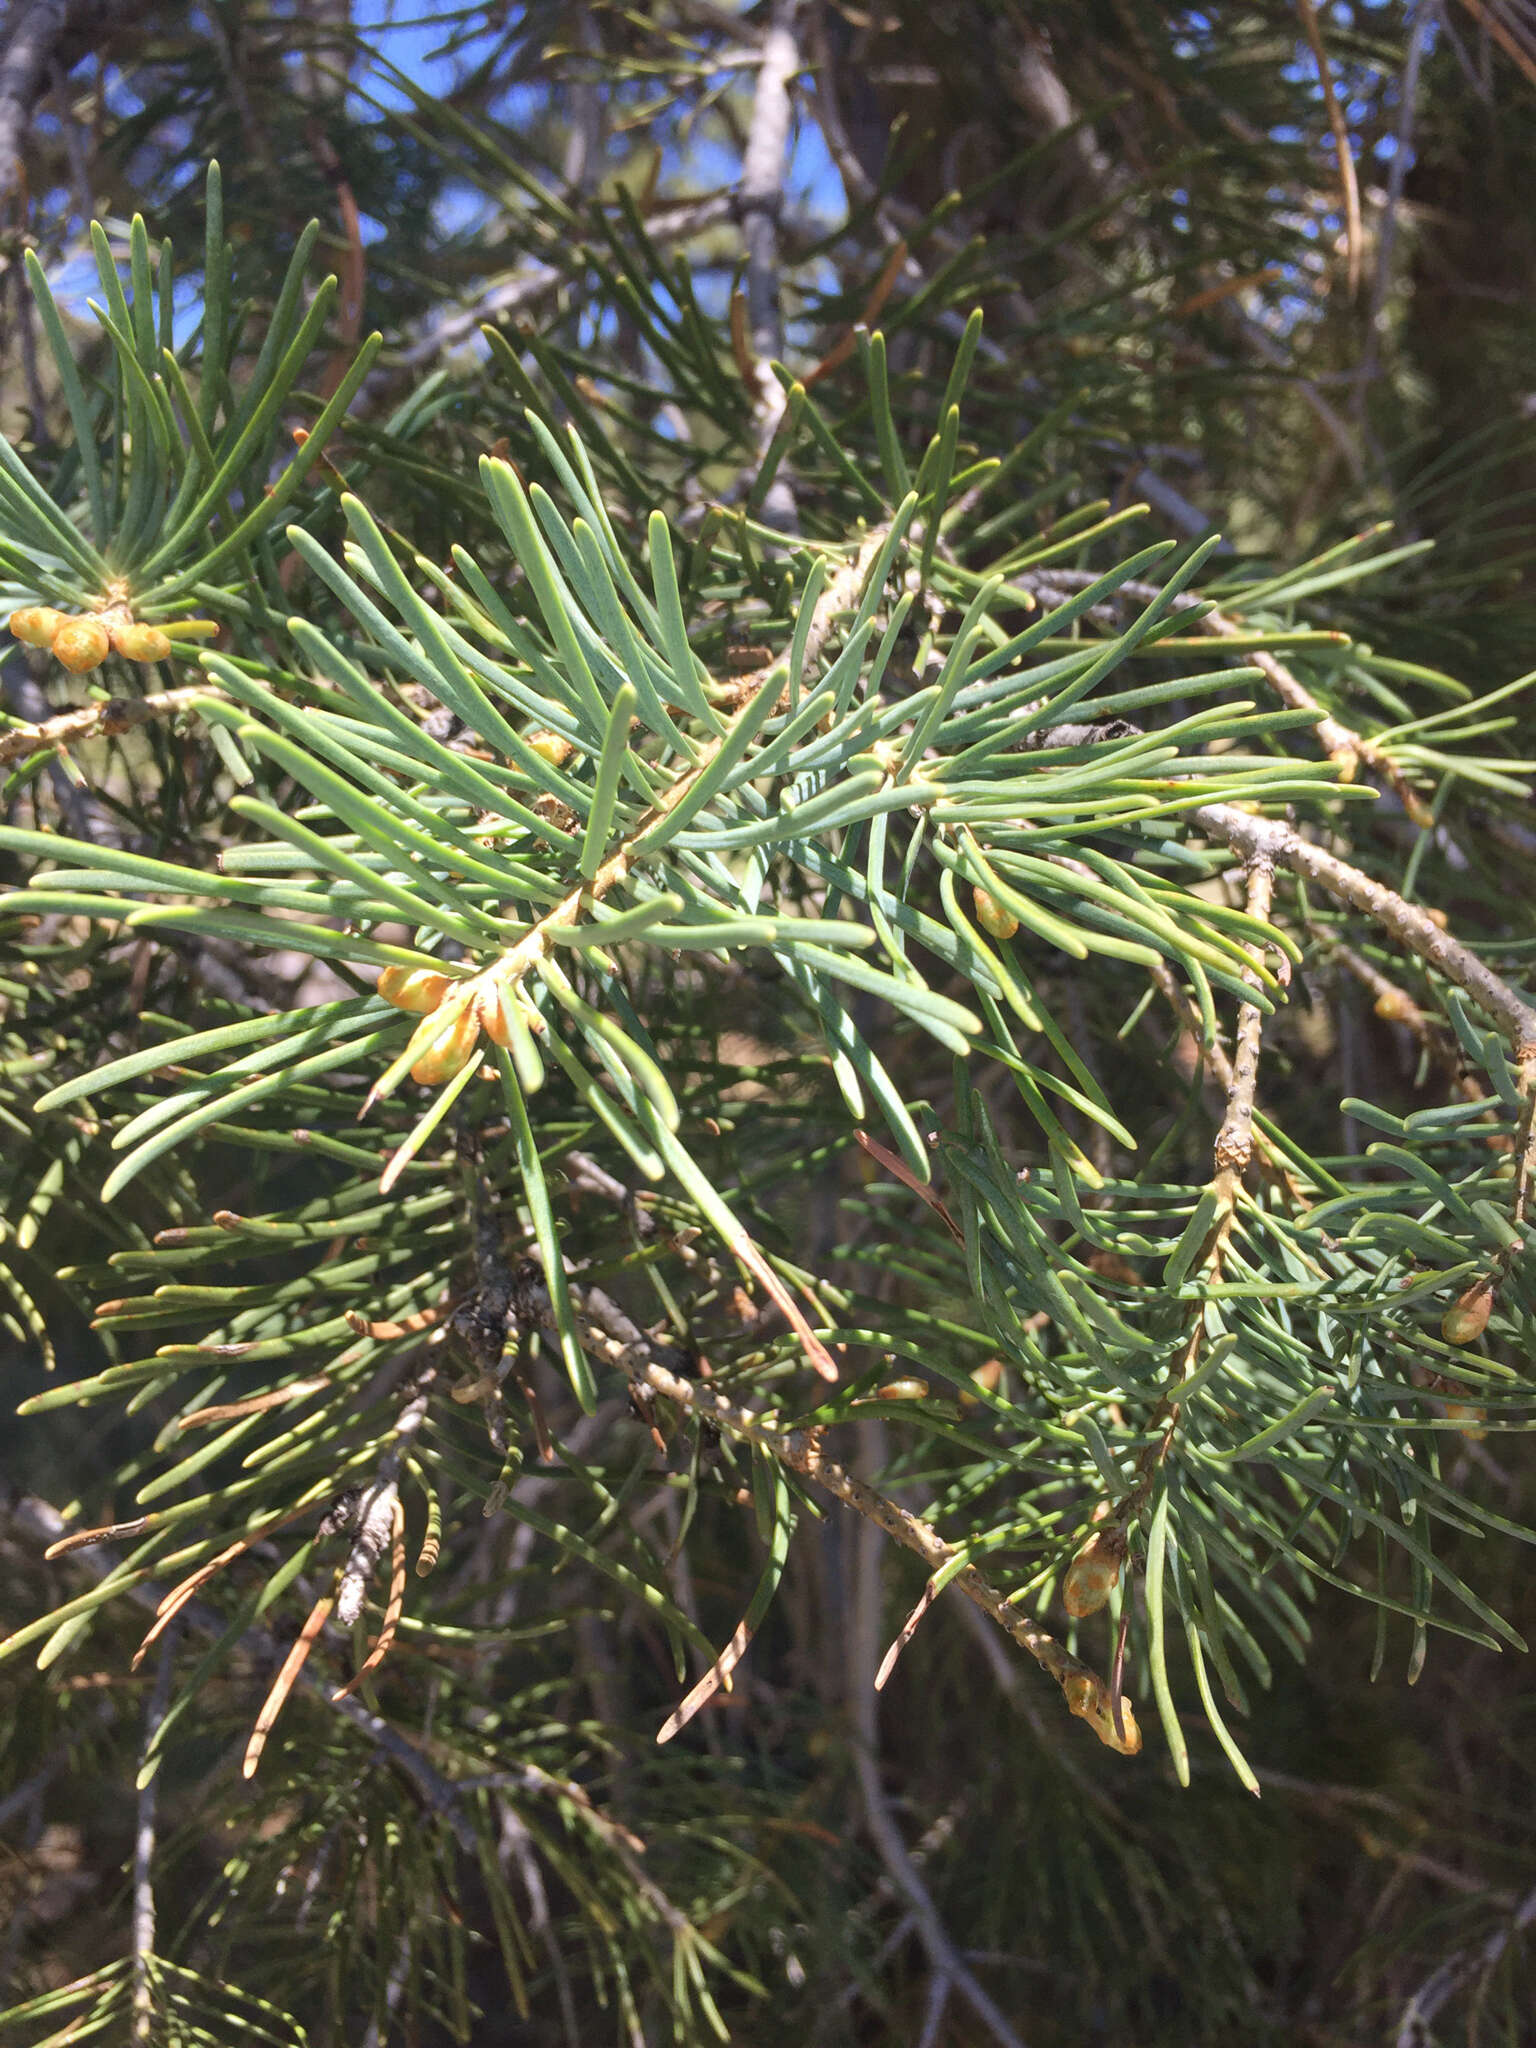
{"points": [[1349, 182], [761, 197], [440, 1795], [760, 205], [1213, 1056], [396, 1604], [1232, 1151], [1343, 745], [35, 31], [1267, 838], [619, 1342], [1346, 747], [380, 1502], [1416, 2028]]}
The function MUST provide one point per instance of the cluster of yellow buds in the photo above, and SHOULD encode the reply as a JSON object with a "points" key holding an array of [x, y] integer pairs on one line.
{"points": [[453, 1012], [83, 643], [1094, 1573], [1087, 1696]]}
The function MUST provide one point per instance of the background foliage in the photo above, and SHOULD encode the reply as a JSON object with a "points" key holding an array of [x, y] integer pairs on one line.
{"points": [[884, 610]]}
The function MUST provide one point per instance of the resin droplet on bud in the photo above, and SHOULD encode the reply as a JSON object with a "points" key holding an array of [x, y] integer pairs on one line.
{"points": [[1087, 1696], [1094, 1573], [992, 917], [1466, 1319], [903, 1390], [81, 644], [35, 625], [413, 988], [137, 642]]}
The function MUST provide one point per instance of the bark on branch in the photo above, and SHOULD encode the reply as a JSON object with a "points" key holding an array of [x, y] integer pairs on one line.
{"points": [[39, 41], [114, 715], [1271, 839]]}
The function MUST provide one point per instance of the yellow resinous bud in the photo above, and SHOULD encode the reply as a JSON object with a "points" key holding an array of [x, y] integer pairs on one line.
{"points": [[992, 917], [1468, 1417], [903, 1390], [444, 1043], [35, 625], [552, 747], [81, 644], [493, 1005], [1467, 1318], [1094, 1573], [413, 988], [136, 642]]}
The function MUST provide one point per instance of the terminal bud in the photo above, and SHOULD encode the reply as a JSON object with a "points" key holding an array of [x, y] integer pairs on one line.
{"points": [[1087, 1696]]}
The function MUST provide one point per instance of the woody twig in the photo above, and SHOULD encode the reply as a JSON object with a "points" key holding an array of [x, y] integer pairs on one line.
{"points": [[1255, 837], [112, 716], [1234, 1141]]}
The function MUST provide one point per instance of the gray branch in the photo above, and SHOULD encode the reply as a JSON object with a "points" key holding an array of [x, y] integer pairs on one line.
{"points": [[761, 206], [762, 179], [1416, 2028], [34, 36], [144, 1844], [41, 40], [534, 282], [950, 1971]]}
